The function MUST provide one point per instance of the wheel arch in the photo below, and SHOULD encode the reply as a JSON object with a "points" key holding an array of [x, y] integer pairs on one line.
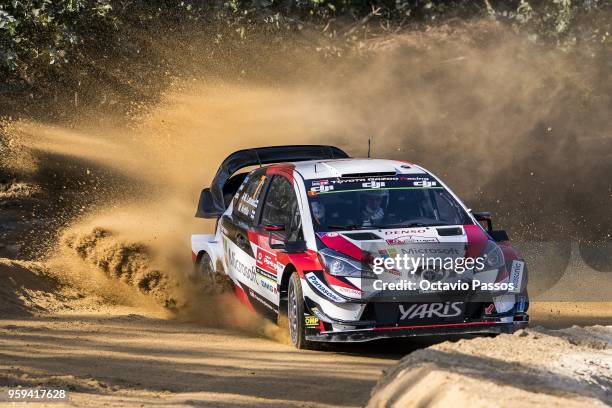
{"points": [[201, 244], [284, 285], [199, 255]]}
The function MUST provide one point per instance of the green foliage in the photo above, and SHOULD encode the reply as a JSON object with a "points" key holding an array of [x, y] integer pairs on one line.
{"points": [[46, 42], [564, 22], [44, 32]]}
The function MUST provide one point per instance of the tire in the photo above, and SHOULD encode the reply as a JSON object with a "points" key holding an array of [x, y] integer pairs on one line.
{"points": [[205, 268], [211, 281], [295, 313]]}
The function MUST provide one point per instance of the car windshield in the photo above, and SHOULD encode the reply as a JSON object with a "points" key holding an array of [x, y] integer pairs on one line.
{"points": [[382, 202]]}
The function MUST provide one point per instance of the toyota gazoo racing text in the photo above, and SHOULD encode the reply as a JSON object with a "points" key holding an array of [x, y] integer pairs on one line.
{"points": [[345, 249]]}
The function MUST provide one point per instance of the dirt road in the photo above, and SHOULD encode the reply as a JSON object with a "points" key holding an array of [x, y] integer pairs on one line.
{"points": [[123, 356], [128, 359]]}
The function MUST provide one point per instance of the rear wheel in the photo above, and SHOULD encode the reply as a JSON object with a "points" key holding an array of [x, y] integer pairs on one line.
{"points": [[211, 281], [295, 313], [205, 268]]}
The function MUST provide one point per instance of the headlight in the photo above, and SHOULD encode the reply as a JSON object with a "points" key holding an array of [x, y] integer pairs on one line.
{"points": [[340, 265], [493, 256]]}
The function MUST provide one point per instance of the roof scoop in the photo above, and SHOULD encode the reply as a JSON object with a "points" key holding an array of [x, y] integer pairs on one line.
{"points": [[323, 167]]}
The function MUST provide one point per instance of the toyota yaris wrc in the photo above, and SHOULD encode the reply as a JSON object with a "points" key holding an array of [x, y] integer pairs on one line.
{"points": [[346, 249]]}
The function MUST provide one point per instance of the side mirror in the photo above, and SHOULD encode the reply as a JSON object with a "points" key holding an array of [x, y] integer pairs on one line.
{"points": [[206, 206], [275, 239], [484, 216], [295, 247], [279, 241], [499, 235]]}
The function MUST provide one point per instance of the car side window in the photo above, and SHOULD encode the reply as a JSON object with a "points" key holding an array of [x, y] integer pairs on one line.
{"points": [[281, 208], [247, 198]]}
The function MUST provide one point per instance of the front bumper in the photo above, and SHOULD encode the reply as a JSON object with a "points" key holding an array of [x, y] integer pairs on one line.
{"points": [[498, 326]]}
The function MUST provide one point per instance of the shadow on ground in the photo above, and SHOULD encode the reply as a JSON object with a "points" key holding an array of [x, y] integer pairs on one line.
{"points": [[102, 355]]}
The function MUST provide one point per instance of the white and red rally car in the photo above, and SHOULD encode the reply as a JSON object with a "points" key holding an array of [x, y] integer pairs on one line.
{"points": [[308, 233]]}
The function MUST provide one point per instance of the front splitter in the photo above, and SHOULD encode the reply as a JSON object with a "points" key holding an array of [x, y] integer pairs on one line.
{"points": [[375, 333]]}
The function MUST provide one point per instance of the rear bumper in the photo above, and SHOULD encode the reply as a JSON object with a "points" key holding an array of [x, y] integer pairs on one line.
{"points": [[445, 329]]}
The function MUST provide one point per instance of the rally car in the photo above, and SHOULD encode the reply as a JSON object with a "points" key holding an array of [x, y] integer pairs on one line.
{"points": [[313, 238]]}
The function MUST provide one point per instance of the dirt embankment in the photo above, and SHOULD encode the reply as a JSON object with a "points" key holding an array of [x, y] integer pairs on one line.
{"points": [[27, 288], [534, 367]]}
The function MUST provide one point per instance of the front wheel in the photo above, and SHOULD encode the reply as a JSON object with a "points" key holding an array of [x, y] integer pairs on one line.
{"points": [[295, 313]]}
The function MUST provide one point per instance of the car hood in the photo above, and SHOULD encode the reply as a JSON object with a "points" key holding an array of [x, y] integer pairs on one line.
{"points": [[443, 241]]}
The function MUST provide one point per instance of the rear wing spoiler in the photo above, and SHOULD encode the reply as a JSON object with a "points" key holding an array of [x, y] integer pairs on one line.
{"points": [[212, 202]]}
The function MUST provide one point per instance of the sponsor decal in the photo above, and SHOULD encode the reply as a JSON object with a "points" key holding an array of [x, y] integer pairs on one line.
{"points": [[318, 313], [406, 231], [268, 285], [261, 300], [431, 251], [357, 180], [321, 189], [310, 320], [323, 288], [251, 201], [244, 208], [241, 268], [387, 253], [516, 275], [266, 260], [373, 184], [347, 291], [248, 202], [408, 239], [266, 274], [425, 183], [393, 182], [430, 310]]}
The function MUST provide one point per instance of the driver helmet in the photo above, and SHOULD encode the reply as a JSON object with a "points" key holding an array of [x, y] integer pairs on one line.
{"points": [[318, 210], [379, 197]]}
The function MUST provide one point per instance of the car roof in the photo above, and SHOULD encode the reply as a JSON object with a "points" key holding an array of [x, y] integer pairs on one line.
{"points": [[354, 167]]}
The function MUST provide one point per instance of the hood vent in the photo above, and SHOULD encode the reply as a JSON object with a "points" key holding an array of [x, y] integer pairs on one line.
{"points": [[449, 232], [362, 236]]}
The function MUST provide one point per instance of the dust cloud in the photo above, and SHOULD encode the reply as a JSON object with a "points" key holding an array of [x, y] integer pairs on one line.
{"points": [[515, 128]]}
